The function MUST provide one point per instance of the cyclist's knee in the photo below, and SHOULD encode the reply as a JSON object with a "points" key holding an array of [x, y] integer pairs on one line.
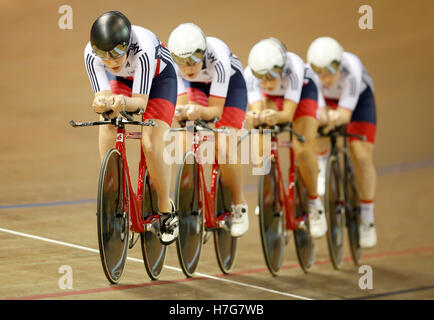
{"points": [[148, 145], [302, 150], [362, 153]]}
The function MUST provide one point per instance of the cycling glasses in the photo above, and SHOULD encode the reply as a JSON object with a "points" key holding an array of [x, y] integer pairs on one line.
{"points": [[269, 75], [191, 60], [327, 70], [114, 53]]}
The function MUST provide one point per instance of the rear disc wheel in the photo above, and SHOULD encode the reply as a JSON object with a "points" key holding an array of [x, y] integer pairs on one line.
{"points": [[352, 209], [225, 245], [191, 228], [153, 251], [304, 243]]}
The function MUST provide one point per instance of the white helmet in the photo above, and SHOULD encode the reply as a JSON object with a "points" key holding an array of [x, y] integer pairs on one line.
{"points": [[325, 52], [187, 43], [267, 58]]}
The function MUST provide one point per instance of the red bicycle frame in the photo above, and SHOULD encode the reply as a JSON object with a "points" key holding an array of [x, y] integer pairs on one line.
{"points": [[134, 201], [208, 201], [286, 194]]}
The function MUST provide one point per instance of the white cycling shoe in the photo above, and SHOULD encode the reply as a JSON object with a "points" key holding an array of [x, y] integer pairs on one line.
{"points": [[240, 220], [317, 221], [367, 235]]}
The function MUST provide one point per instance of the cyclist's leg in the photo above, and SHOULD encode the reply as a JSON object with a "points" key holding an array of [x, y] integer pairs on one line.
{"points": [[363, 122], [304, 152], [322, 151], [161, 108], [106, 139], [306, 124], [233, 118], [153, 148], [232, 173]]}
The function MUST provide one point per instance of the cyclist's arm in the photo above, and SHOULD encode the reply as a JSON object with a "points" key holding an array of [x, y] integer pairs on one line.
{"points": [[349, 96], [343, 115], [257, 106], [288, 111], [142, 84], [214, 109], [136, 101]]}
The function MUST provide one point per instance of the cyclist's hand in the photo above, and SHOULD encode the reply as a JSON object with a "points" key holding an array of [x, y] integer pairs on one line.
{"points": [[180, 112], [252, 118], [322, 117], [117, 103], [193, 112], [269, 116], [333, 118], [100, 104]]}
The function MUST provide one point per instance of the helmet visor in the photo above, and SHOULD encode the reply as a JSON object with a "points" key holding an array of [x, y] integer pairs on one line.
{"points": [[327, 70], [114, 53], [269, 75], [191, 60]]}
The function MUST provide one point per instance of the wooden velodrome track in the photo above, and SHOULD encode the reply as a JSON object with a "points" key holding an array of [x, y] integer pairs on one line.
{"points": [[49, 171]]}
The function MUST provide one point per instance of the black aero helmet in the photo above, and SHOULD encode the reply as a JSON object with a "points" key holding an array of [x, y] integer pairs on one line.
{"points": [[110, 35]]}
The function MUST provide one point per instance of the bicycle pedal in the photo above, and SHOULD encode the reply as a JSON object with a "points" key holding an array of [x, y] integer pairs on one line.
{"points": [[278, 214]]}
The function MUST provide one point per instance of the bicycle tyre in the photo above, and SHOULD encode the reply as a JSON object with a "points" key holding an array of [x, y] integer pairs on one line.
{"points": [[335, 211], [112, 221], [271, 221]]}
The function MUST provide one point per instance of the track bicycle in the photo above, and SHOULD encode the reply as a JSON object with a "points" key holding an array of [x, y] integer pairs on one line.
{"points": [[283, 209], [202, 210], [341, 201], [123, 215]]}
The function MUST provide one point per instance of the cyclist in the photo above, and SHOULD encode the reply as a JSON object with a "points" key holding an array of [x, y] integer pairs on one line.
{"points": [[282, 89], [211, 85], [129, 68], [349, 94]]}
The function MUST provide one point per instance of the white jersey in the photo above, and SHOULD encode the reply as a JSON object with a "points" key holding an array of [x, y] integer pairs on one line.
{"points": [[294, 74], [353, 80], [146, 57], [218, 67]]}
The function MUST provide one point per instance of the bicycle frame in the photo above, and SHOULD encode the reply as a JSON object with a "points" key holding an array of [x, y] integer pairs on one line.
{"points": [[208, 201], [286, 193], [134, 202]]}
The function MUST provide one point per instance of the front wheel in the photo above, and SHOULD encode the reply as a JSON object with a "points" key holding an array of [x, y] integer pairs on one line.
{"points": [[112, 216], [225, 245], [335, 211], [271, 221]]}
